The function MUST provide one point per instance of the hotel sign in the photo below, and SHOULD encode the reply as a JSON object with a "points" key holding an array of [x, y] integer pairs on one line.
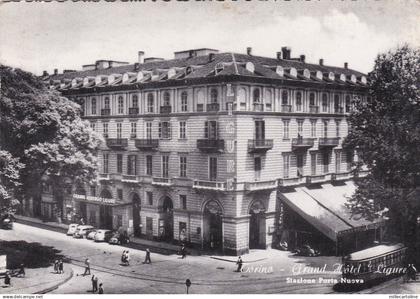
{"points": [[94, 199]]}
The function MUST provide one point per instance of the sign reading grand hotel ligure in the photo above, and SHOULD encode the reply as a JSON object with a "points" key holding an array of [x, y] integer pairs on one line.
{"points": [[94, 199]]}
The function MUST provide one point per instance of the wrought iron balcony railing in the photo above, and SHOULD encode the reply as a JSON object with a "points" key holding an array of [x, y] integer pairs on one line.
{"points": [[329, 142], [117, 143], [146, 144], [213, 107], [165, 109], [259, 145], [105, 112]]}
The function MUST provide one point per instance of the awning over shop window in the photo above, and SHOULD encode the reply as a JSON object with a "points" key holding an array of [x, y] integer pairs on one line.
{"points": [[325, 209]]}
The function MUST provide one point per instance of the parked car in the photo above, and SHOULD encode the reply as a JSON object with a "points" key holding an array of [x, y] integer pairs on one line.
{"points": [[7, 223], [306, 250], [91, 234], [72, 229], [119, 239], [103, 235], [82, 231]]}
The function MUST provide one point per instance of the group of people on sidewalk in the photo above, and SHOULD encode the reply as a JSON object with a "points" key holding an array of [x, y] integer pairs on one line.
{"points": [[125, 258], [59, 266]]}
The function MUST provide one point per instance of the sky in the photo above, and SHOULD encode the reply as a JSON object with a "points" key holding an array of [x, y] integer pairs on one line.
{"points": [[38, 36]]}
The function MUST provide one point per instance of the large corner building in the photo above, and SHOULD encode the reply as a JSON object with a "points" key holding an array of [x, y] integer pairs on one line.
{"points": [[225, 151]]}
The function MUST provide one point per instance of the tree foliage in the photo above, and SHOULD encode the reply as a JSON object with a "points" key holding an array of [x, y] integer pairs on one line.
{"points": [[385, 132]]}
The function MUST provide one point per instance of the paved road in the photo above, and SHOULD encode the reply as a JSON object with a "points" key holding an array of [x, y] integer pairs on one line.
{"points": [[265, 271]]}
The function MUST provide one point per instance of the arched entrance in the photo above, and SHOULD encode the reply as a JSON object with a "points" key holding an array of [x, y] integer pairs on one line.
{"points": [[257, 226], [105, 211], [212, 226], [166, 222], [136, 215]]}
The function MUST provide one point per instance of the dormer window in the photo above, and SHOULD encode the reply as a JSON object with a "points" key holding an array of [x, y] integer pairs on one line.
{"points": [[284, 97], [166, 99], [213, 95], [150, 103], [120, 105], [256, 96], [298, 101]]}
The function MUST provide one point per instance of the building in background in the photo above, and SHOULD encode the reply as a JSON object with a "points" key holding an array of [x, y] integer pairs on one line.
{"points": [[226, 151]]}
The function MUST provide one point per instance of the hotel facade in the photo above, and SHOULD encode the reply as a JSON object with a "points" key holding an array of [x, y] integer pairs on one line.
{"points": [[214, 148]]}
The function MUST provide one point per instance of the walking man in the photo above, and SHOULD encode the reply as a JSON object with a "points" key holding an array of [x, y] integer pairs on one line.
{"points": [[56, 266], [87, 267], [147, 259], [7, 279], [94, 284], [60, 267], [127, 258], [183, 251], [101, 289], [239, 263]]}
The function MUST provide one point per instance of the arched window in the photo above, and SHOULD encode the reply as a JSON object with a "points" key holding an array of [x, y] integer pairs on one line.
{"points": [[184, 101], [324, 102], [256, 96], [214, 95], [120, 105], [150, 102], [166, 99], [312, 99], [284, 97], [298, 101]]}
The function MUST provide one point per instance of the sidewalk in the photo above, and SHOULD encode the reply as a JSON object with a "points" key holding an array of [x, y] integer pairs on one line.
{"points": [[37, 281]]}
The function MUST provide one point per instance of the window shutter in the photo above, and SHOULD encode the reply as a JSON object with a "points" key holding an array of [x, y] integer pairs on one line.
{"points": [[160, 130], [206, 130]]}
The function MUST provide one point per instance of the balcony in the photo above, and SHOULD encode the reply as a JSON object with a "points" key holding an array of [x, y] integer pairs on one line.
{"points": [[127, 178], [286, 108], [259, 145], [302, 143], [147, 144], [211, 145], [104, 177], [133, 111], [341, 176], [209, 185], [105, 112], [339, 110], [313, 109], [165, 109], [287, 182], [321, 178], [117, 143], [261, 185], [328, 142], [258, 107], [159, 181], [213, 107]]}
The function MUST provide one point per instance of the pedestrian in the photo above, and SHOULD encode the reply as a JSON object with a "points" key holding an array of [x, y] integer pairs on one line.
{"points": [[87, 267], [101, 289], [123, 257], [7, 279], [127, 258], [94, 283], [21, 271], [56, 266], [60, 266], [239, 263], [183, 251], [147, 259]]}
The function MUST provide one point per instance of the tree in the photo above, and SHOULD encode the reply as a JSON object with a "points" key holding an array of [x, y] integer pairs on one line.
{"points": [[385, 132], [46, 133], [9, 179]]}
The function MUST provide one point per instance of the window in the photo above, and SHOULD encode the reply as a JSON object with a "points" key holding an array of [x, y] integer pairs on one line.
{"points": [[349, 159], [286, 165], [92, 217], [135, 101], [149, 130], [348, 104], [105, 130], [93, 191], [324, 102], [337, 128], [183, 201], [313, 128], [326, 161], [312, 99], [213, 168], [213, 95], [284, 97], [183, 166], [133, 130], [93, 107], [259, 130], [119, 221], [132, 165], [300, 127], [257, 167], [165, 130], [120, 194], [325, 130], [313, 163], [166, 99], [120, 105], [286, 129], [165, 166], [337, 103], [119, 130], [106, 103], [149, 196], [149, 165], [211, 130], [299, 165], [184, 101], [183, 130], [256, 96], [337, 161], [298, 101], [150, 103], [119, 163], [268, 103], [93, 126], [105, 163]]}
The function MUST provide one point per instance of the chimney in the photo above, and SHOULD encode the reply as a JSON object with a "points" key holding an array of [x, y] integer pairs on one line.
{"points": [[211, 57], [110, 63], [346, 65], [286, 52], [249, 51], [278, 55], [136, 66], [302, 58], [141, 57], [321, 62], [55, 71], [44, 73]]}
